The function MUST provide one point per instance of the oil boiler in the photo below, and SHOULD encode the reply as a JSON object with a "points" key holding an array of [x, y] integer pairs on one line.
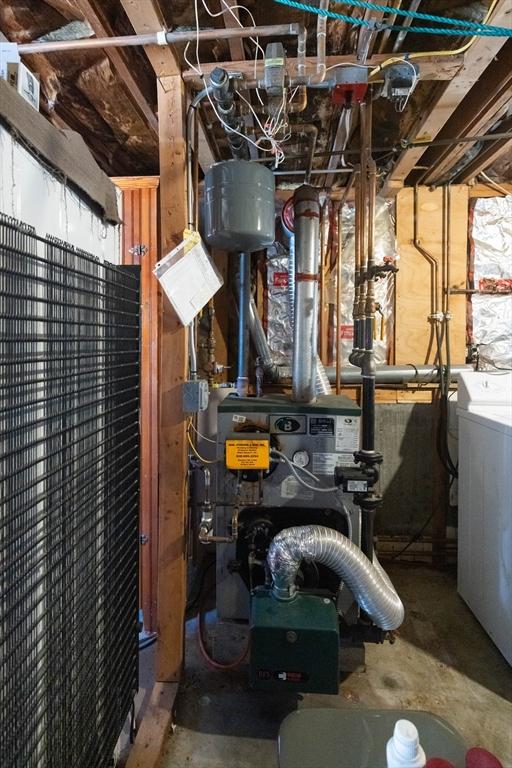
{"points": [[291, 508]]}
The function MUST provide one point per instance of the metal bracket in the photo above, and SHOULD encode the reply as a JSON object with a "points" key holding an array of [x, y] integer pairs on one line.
{"points": [[139, 249]]}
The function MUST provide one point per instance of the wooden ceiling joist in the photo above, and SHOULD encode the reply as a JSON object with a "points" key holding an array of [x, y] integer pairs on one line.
{"points": [[432, 67], [146, 16], [236, 49], [447, 97], [479, 111], [99, 23], [491, 152]]}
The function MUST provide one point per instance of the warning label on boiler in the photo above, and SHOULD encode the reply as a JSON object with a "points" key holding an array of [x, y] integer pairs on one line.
{"points": [[247, 454], [324, 463], [347, 433]]}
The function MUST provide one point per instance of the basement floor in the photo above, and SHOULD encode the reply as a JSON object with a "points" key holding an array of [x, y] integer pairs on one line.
{"points": [[442, 662]]}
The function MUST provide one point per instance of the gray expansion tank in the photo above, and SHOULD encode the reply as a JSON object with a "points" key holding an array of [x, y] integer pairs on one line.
{"points": [[239, 206]]}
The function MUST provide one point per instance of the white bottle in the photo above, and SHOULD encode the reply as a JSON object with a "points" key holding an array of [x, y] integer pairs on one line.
{"points": [[403, 749]]}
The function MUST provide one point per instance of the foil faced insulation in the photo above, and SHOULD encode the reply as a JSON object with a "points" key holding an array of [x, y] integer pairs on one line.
{"points": [[492, 270], [279, 331]]}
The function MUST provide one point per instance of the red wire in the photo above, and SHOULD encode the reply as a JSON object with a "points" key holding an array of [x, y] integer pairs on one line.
{"points": [[204, 652]]}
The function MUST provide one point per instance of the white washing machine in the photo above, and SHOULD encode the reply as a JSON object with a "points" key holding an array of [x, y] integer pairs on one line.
{"points": [[485, 501]]}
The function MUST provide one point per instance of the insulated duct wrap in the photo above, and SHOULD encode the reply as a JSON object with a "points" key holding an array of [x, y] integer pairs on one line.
{"points": [[492, 271], [279, 326], [305, 315], [385, 252], [367, 581], [281, 287]]}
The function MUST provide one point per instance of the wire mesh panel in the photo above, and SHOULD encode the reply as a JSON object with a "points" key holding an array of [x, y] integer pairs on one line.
{"points": [[69, 496]]}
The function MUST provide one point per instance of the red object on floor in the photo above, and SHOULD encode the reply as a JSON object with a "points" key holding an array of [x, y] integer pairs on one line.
{"points": [[477, 757], [438, 762]]}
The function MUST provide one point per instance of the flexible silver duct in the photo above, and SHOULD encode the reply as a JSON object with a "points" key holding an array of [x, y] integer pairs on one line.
{"points": [[305, 323], [371, 588]]}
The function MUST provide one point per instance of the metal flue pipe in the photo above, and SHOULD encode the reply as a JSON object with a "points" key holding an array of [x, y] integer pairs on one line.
{"points": [[305, 326]]}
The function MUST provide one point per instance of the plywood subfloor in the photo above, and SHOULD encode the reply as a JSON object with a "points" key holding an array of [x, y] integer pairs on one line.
{"points": [[442, 662]]}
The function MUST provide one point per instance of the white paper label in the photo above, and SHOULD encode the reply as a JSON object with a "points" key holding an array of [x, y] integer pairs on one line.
{"points": [[324, 463], [292, 489], [189, 278], [347, 433], [239, 419]]}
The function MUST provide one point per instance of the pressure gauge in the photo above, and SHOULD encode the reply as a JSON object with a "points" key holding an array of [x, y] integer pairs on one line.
{"points": [[301, 458]]}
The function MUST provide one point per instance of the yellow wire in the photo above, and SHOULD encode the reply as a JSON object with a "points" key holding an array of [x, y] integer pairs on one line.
{"points": [[194, 449], [455, 52]]}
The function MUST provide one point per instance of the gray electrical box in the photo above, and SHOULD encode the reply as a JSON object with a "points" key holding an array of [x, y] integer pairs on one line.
{"points": [[195, 395]]}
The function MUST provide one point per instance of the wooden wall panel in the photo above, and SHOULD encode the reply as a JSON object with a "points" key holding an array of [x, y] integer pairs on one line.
{"points": [[140, 246], [412, 327]]}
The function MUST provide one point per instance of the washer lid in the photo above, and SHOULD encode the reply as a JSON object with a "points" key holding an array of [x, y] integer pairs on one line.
{"points": [[484, 388], [498, 417]]}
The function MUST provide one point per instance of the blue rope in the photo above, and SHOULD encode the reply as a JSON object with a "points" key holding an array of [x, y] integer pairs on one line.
{"points": [[460, 27]]}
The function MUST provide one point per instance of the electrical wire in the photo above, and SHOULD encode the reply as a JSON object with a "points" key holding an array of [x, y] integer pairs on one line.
{"points": [[494, 184], [199, 434], [220, 666], [285, 459], [269, 130], [365, 4], [195, 451], [292, 467], [231, 9], [460, 29], [413, 538], [423, 54]]}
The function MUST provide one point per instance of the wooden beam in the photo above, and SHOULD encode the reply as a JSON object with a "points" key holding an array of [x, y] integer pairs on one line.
{"points": [[99, 23], [146, 16], [478, 112], [236, 46], [236, 49], [154, 731], [413, 330], [431, 68], [485, 159], [205, 153], [487, 190], [139, 233], [447, 97], [172, 544]]}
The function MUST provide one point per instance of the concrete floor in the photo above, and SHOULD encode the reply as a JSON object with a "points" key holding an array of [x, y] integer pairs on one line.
{"points": [[442, 662]]}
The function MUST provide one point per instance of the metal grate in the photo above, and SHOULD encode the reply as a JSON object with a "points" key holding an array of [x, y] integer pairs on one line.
{"points": [[69, 498]]}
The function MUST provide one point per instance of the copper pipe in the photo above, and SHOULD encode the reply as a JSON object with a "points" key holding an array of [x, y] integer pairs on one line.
{"points": [[338, 300], [125, 41], [164, 37], [299, 103], [434, 317], [348, 186]]}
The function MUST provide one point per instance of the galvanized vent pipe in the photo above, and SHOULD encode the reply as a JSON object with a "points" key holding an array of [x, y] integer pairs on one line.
{"points": [[305, 325]]}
